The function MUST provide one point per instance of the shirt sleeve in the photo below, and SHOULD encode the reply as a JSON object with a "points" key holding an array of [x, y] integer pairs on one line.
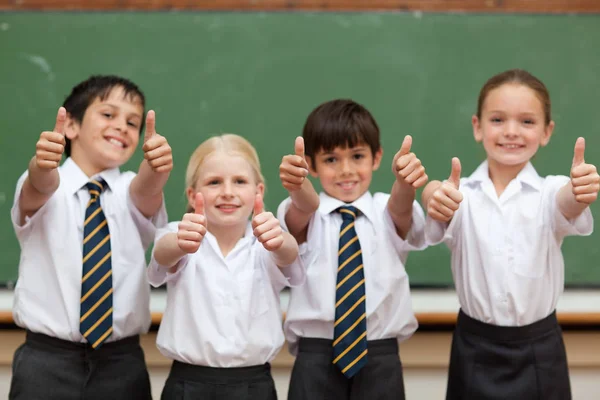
{"points": [[304, 249], [415, 239], [290, 275], [22, 230], [159, 274], [583, 225], [146, 226]]}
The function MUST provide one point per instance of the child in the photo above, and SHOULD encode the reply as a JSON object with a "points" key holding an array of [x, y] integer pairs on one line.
{"points": [[222, 324], [346, 321], [505, 240], [83, 228]]}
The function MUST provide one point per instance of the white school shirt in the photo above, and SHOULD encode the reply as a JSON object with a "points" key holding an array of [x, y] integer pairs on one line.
{"points": [[506, 260], [48, 292], [223, 312], [311, 311]]}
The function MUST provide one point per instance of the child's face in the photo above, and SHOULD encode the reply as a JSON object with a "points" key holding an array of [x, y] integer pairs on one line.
{"points": [[346, 173], [108, 134], [229, 187], [512, 125]]}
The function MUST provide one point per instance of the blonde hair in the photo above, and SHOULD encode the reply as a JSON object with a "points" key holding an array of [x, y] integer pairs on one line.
{"points": [[227, 143]]}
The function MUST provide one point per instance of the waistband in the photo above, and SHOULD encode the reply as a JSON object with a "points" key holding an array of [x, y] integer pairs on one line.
{"points": [[49, 343], [191, 372], [507, 333], [325, 346]]}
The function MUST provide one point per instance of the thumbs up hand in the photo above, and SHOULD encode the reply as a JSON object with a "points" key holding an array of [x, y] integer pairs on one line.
{"points": [[192, 228], [51, 145], [584, 177], [266, 227], [293, 169], [446, 199], [407, 167], [156, 148]]}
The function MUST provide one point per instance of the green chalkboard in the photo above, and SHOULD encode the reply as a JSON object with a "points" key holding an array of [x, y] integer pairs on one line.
{"points": [[260, 74]]}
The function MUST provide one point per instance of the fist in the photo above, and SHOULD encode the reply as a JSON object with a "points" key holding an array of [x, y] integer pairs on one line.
{"points": [[584, 177], [294, 168], [51, 145], [156, 148], [407, 167], [266, 227], [446, 199], [192, 228]]}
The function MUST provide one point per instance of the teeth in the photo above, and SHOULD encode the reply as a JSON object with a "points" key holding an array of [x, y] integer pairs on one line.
{"points": [[510, 146], [116, 142]]}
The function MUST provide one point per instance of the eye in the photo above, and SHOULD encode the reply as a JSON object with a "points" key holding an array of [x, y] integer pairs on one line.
{"points": [[241, 181], [132, 124], [107, 115], [529, 121], [358, 156], [329, 160], [496, 119], [213, 182]]}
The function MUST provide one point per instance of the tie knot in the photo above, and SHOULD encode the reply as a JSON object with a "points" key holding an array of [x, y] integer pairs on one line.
{"points": [[349, 213], [95, 187]]}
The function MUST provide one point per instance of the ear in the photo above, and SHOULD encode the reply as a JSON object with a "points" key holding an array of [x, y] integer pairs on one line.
{"points": [[377, 159], [311, 166], [190, 193], [72, 128], [476, 129], [547, 134], [260, 189]]}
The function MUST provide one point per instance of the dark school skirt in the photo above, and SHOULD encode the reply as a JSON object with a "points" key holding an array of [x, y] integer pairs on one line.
{"points": [[188, 381], [489, 362]]}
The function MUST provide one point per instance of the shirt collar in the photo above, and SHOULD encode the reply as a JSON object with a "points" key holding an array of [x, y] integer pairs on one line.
{"points": [[75, 178], [528, 175], [364, 204]]}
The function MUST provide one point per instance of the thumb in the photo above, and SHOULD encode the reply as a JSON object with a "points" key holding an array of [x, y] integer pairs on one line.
{"points": [[259, 206], [299, 146], [150, 125], [406, 145], [455, 174], [61, 118], [199, 204], [578, 153]]}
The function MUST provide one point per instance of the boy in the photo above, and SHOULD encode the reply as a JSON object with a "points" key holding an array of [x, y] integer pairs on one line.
{"points": [[346, 321], [83, 227]]}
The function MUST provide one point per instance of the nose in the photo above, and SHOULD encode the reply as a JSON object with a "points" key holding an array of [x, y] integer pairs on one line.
{"points": [[120, 124], [227, 189], [512, 129], [345, 166]]}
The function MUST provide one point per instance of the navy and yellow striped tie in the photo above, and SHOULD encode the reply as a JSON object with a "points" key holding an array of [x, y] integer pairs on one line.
{"points": [[96, 322], [350, 329]]}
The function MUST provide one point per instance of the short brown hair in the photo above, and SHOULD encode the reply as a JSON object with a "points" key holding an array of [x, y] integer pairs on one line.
{"points": [[339, 123], [520, 77], [98, 86]]}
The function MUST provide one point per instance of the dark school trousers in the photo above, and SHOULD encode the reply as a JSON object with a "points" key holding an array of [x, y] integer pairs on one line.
{"points": [[48, 368], [188, 381], [489, 362], [315, 377]]}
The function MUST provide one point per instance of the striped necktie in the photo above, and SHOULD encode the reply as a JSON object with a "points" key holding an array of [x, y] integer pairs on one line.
{"points": [[350, 329], [96, 322]]}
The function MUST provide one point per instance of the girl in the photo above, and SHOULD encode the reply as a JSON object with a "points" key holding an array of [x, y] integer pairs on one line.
{"points": [[504, 225], [222, 323]]}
